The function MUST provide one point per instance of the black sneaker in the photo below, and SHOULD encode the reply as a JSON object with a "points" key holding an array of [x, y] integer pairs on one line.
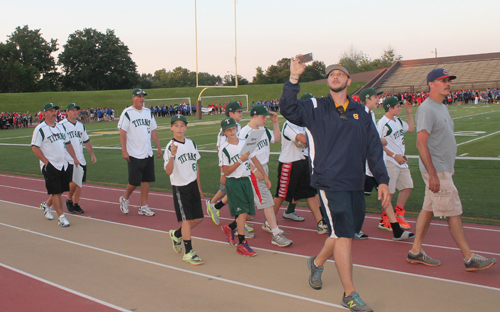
{"points": [[70, 206], [78, 209]]}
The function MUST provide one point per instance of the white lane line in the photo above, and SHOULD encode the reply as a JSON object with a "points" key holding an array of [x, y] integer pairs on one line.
{"points": [[65, 288], [484, 136], [466, 116], [257, 248], [264, 289]]}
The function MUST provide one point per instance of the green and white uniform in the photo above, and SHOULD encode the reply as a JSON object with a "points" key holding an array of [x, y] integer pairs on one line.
{"points": [[78, 136], [52, 142], [185, 165], [138, 124]]}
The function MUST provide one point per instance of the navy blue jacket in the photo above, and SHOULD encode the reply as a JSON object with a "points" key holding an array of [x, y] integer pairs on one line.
{"points": [[338, 149]]}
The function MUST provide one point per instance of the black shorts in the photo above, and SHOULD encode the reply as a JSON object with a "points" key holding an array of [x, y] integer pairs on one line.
{"points": [[141, 170], [84, 172], [370, 183], [187, 202], [56, 181], [344, 212], [294, 181]]}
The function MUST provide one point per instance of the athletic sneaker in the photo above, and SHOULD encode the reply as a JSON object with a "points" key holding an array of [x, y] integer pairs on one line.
{"points": [[123, 204], [62, 221], [145, 211], [248, 234], [212, 212], [248, 228], [406, 235], [322, 227], [47, 211], [385, 226], [69, 206], [422, 258], [400, 217], [176, 241], [281, 241], [360, 235], [229, 235], [245, 250], [477, 263], [268, 229], [293, 216], [77, 208], [192, 258], [354, 303], [315, 276]]}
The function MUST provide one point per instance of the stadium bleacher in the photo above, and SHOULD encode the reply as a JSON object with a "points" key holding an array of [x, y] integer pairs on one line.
{"points": [[477, 71]]}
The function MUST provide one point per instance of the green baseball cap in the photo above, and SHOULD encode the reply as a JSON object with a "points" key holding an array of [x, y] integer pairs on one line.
{"points": [[178, 117], [49, 106], [259, 110], [71, 106], [137, 92], [366, 93], [391, 102], [227, 123], [306, 96], [232, 106]]}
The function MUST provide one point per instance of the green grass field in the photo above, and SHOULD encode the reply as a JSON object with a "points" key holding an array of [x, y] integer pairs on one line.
{"points": [[119, 99], [477, 168]]}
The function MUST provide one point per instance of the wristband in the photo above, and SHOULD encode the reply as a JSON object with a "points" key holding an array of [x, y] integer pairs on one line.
{"points": [[172, 156], [294, 78], [239, 160], [255, 170], [394, 156], [222, 173]]}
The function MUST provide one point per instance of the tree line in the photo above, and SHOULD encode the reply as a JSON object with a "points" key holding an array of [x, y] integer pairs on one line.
{"points": [[93, 60]]}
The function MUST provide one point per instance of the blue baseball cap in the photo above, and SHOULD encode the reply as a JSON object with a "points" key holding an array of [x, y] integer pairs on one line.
{"points": [[439, 73]]}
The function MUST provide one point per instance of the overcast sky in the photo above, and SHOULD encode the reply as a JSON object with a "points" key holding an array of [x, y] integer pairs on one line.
{"points": [[161, 34]]}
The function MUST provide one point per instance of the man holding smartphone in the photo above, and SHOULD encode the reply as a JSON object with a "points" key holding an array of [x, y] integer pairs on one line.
{"points": [[392, 128]]}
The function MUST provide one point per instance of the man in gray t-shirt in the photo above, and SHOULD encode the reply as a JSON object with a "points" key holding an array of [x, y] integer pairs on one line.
{"points": [[437, 150]]}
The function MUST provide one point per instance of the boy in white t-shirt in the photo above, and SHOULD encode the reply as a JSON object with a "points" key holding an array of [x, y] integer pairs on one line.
{"points": [[181, 164], [240, 197], [392, 129], [262, 196]]}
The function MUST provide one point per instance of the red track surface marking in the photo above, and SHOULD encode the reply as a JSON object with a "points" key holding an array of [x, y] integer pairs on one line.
{"points": [[101, 202], [43, 296]]}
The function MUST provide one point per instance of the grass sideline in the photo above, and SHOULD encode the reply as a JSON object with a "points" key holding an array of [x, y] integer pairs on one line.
{"points": [[476, 127], [119, 99]]}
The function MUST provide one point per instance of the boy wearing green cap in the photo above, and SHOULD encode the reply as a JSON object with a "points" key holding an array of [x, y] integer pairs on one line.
{"points": [[236, 168], [391, 128], [181, 164], [262, 196]]}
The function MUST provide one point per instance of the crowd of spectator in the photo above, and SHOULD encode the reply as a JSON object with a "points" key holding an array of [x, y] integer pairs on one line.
{"points": [[15, 120], [272, 105]]}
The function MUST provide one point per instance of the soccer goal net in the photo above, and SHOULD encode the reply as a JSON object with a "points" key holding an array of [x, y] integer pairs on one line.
{"points": [[221, 99], [174, 102]]}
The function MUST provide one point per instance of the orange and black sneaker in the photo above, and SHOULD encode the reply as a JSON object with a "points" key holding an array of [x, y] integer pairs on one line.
{"points": [[384, 223], [400, 217]]}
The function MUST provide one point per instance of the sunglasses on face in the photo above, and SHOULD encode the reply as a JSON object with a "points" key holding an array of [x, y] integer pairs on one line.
{"points": [[343, 115]]}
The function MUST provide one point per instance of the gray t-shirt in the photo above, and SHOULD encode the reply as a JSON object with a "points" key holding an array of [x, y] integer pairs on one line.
{"points": [[434, 117]]}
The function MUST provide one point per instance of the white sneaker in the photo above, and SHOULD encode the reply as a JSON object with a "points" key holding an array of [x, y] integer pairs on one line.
{"points": [[62, 221], [145, 211], [123, 205], [268, 229], [293, 216], [281, 241], [47, 211], [248, 228]]}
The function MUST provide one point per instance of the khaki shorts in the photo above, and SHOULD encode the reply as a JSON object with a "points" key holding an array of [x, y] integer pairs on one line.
{"points": [[399, 178], [265, 194], [446, 202]]}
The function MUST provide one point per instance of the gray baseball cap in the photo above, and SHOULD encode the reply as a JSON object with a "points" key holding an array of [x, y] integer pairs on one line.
{"points": [[332, 67]]}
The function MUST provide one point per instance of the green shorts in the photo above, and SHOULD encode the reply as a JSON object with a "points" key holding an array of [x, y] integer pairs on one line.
{"points": [[240, 196]]}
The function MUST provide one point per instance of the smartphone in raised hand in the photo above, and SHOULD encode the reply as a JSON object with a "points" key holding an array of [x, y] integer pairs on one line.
{"points": [[306, 58]]}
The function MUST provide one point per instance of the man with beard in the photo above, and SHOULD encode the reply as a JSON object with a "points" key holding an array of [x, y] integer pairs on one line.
{"points": [[341, 137]]}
